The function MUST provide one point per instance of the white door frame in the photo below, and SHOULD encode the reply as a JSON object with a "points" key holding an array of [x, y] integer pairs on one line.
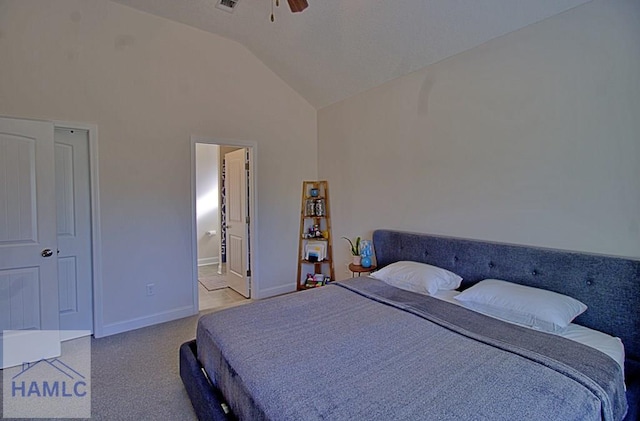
{"points": [[253, 211], [96, 239]]}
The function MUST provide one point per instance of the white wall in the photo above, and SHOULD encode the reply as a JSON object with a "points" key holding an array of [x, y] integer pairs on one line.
{"points": [[207, 203], [149, 84], [531, 138]]}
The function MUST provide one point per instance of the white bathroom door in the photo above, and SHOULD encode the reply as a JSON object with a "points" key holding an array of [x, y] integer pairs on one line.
{"points": [[28, 263], [237, 221], [73, 210]]}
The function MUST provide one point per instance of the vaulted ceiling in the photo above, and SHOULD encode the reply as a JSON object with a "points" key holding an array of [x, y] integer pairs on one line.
{"points": [[337, 48]]}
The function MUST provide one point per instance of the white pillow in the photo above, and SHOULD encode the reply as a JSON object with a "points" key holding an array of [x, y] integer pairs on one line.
{"points": [[418, 277], [528, 306]]}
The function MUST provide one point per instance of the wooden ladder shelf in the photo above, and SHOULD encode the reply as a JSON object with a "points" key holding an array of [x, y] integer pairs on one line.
{"points": [[315, 251]]}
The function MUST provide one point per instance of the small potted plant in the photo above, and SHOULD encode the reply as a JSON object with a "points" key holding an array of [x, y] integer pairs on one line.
{"points": [[354, 248]]}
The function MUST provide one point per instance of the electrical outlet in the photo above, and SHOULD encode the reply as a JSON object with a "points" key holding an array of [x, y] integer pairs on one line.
{"points": [[151, 289]]}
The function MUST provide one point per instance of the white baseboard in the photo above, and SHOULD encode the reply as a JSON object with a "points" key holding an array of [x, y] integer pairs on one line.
{"points": [[145, 321], [208, 261], [67, 335], [270, 292]]}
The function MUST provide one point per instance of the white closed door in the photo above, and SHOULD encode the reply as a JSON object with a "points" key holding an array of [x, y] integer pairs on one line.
{"points": [[237, 221], [28, 263], [73, 210]]}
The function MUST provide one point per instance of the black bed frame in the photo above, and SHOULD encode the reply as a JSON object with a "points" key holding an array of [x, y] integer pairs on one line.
{"points": [[609, 286]]}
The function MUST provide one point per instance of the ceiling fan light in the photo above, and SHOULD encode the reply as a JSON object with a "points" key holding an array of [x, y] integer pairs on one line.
{"points": [[297, 5]]}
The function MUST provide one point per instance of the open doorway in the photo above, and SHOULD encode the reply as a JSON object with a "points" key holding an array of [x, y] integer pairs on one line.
{"points": [[223, 209]]}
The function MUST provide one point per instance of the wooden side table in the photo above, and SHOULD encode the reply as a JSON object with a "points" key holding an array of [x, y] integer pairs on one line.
{"points": [[357, 269]]}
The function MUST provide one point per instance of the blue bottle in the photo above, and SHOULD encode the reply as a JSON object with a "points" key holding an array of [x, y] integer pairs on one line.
{"points": [[365, 262]]}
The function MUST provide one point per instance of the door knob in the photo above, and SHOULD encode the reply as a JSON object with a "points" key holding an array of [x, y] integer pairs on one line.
{"points": [[46, 253]]}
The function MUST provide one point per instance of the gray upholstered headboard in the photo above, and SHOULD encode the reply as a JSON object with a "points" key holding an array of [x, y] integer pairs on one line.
{"points": [[609, 286]]}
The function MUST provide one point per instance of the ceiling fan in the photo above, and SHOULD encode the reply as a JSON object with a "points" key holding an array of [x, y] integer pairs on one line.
{"points": [[297, 5]]}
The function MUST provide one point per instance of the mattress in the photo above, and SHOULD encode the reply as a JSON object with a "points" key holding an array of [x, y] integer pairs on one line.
{"points": [[361, 349], [610, 345]]}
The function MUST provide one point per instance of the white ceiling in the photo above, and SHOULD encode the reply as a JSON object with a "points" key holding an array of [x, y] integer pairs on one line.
{"points": [[337, 48]]}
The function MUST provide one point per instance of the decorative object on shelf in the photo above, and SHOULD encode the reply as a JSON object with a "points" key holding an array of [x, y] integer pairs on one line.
{"points": [[310, 208], [315, 280], [314, 232], [315, 207], [314, 192], [320, 206], [315, 251]]}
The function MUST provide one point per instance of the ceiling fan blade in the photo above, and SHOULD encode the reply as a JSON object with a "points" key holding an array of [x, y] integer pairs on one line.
{"points": [[297, 5]]}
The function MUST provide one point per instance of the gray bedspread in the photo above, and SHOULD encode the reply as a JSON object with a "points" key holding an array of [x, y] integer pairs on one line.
{"points": [[361, 349]]}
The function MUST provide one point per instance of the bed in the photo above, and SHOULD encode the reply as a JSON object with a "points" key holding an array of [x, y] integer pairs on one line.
{"points": [[364, 349]]}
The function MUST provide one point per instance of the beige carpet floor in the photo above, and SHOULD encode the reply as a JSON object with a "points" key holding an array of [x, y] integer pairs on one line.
{"points": [[135, 375]]}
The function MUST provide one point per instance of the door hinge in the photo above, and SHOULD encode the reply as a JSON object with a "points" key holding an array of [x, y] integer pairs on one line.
{"points": [[248, 220], [246, 166], [249, 272]]}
